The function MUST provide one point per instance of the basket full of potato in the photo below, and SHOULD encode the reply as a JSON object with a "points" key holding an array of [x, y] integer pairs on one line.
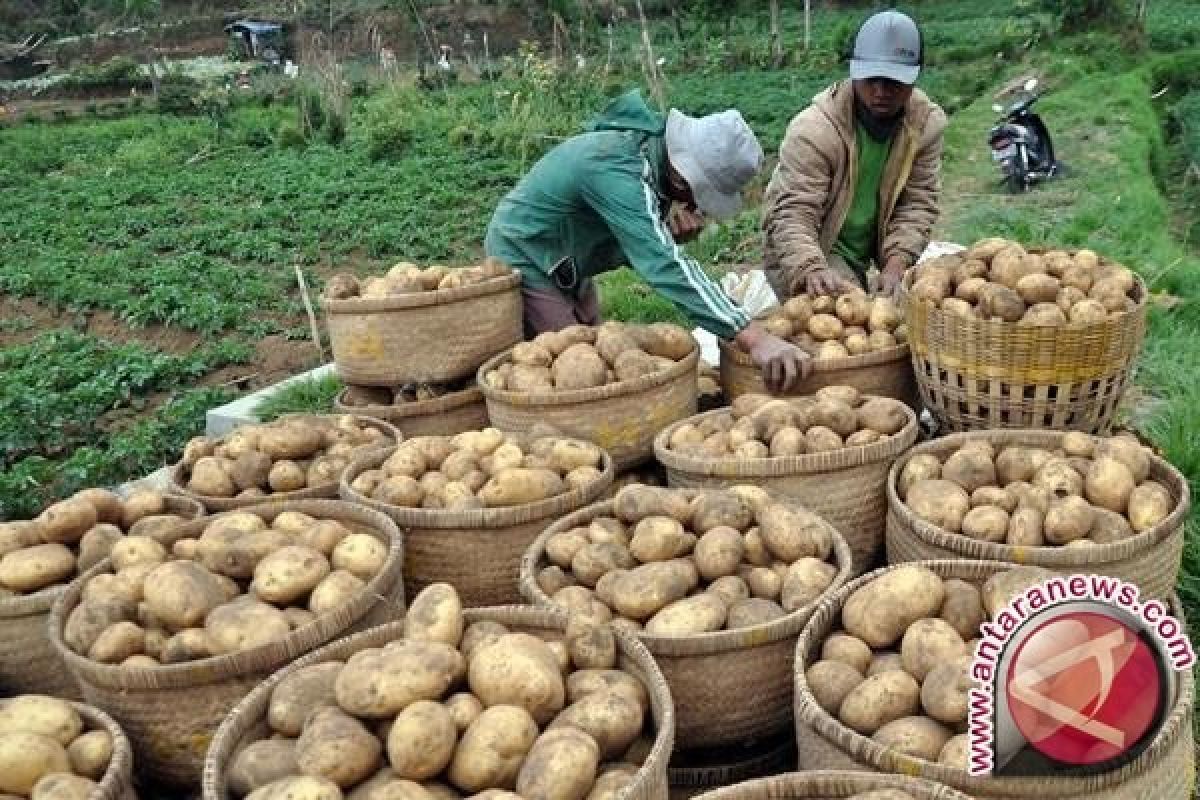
{"points": [[1071, 502], [493, 703], [831, 784], [471, 504], [716, 583], [1004, 336], [615, 384], [414, 325], [884, 678], [419, 409], [296, 456], [829, 452], [856, 340], [190, 618], [40, 556]]}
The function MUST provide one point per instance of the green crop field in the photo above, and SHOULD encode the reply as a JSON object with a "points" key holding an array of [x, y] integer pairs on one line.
{"points": [[149, 257]]}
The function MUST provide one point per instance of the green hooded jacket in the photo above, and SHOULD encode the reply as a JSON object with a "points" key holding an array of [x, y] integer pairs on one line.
{"points": [[597, 199]]}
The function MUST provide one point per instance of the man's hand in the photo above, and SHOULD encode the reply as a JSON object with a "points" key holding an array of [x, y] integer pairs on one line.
{"points": [[893, 275], [825, 281], [685, 225], [783, 364]]}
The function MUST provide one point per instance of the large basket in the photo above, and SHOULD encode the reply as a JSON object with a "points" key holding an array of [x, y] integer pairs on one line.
{"points": [[729, 686], [827, 785], [424, 337], [976, 373], [324, 491], [117, 781], [1164, 771], [171, 712], [29, 664], [442, 416], [622, 418], [477, 552], [1150, 559], [847, 487], [247, 721], [887, 373]]}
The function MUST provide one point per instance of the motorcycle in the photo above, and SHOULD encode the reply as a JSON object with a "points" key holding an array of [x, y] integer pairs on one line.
{"points": [[1021, 143]]}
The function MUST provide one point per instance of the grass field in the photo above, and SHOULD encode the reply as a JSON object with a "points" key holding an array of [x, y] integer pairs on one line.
{"points": [[149, 260]]}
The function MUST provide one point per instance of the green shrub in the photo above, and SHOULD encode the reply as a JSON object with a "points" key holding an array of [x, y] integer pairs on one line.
{"points": [[290, 135]]}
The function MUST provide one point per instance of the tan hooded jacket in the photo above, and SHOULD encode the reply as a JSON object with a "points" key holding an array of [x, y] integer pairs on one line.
{"points": [[811, 189]]}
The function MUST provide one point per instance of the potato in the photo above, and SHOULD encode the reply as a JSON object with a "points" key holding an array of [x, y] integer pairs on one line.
{"points": [[825, 327], [1067, 519], [26, 757], [919, 737], [531, 354], [730, 588], [480, 633], [720, 509], [1000, 589], [1087, 312], [970, 469], [790, 533], [589, 681], [664, 340], [117, 643], [920, 467], [60, 786], [464, 708], [830, 682], [658, 539], [853, 308], [945, 692], [65, 522], [596, 560], [187, 645], [610, 717], [421, 742], [635, 502], [379, 683], [1001, 302], [35, 568], [40, 714], [519, 670], [182, 593], [1058, 477], [805, 582], [435, 615], [701, 613], [882, 415], [579, 367], [879, 612], [1015, 464], [336, 746], [297, 695], [928, 643], [298, 787], [518, 486], [260, 763], [493, 749], [561, 765], [955, 752], [1149, 504], [287, 476], [962, 608], [360, 554], [90, 754], [941, 503], [878, 700], [245, 623], [141, 503], [986, 523], [334, 591]]}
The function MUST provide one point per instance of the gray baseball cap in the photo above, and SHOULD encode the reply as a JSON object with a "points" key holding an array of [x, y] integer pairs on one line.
{"points": [[717, 155], [888, 46]]}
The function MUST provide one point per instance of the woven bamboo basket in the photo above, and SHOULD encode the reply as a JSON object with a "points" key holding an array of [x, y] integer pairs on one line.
{"points": [[325, 491], [117, 781], [477, 552], [976, 373], [887, 373], [846, 487], [442, 416], [29, 664], [1150, 559], [1164, 771], [622, 418], [729, 686], [694, 772], [171, 712], [423, 337], [826, 785], [247, 723]]}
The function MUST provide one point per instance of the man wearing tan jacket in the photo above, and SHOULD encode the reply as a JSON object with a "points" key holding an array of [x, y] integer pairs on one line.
{"points": [[858, 175]]}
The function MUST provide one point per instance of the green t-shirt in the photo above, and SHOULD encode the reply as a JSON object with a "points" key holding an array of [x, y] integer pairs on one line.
{"points": [[856, 241]]}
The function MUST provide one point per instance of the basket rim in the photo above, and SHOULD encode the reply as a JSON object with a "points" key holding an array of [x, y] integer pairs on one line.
{"points": [[483, 518], [116, 779], [1045, 555], [419, 408], [799, 785], [237, 721], [866, 750], [578, 396], [873, 359], [41, 601], [889, 447], [325, 491], [267, 656], [411, 300], [698, 644]]}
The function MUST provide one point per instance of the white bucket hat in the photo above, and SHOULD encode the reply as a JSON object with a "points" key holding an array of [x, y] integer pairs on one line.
{"points": [[717, 155]]}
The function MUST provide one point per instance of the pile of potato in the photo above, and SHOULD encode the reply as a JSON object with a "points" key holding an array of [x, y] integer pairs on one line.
{"points": [[239, 584], [72, 535], [450, 711], [996, 279], [850, 324], [287, 455], [481, 469], [898, 670], [361, 396], [583, 357], [46, 753], [762, 426], [407, 278], [668, 564], [1089, 491]]}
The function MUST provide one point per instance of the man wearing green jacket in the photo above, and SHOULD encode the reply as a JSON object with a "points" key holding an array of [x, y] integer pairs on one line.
{"points": [[604, 198]]}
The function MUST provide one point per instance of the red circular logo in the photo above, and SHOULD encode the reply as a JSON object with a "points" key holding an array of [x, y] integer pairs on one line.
{"points": [[1084, 688]]}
